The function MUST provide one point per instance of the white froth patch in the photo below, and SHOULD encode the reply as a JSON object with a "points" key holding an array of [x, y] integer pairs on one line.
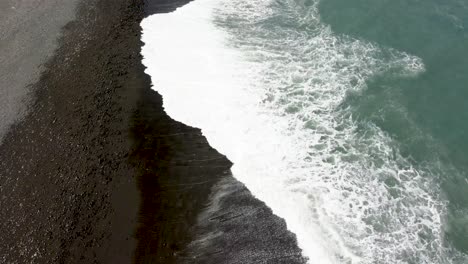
{"points": [[268, 98], [205, 84]]}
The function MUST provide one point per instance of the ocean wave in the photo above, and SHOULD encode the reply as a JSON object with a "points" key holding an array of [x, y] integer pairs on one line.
{"points": [[266, 82]]}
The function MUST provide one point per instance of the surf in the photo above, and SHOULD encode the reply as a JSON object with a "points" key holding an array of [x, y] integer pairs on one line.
{"points": [[266, 81]]}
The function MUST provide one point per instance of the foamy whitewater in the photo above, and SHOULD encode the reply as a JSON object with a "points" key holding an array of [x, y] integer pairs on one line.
{"points": [[266, 81]]}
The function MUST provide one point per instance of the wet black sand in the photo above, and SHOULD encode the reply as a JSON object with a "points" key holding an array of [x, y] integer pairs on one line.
{"points": [[98, 173], [28, 37]]}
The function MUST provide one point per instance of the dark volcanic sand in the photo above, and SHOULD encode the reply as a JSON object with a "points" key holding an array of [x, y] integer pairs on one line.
{"points": [[28, 37], [98, 173], [67, 190]]}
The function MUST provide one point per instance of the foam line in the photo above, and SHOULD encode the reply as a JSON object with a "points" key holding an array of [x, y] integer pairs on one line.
{"points": [[265, 80]]}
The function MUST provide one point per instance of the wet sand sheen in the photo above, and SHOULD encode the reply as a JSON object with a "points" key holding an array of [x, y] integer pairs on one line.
{"points": [[98, 173], [28, 37]]}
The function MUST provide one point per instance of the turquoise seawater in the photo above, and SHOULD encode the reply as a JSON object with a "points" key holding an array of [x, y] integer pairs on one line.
{"points": [[349, 119], [428, 114]]}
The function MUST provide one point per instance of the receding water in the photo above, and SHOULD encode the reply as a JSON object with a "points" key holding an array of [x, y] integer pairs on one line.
{"points": [[345, 117]]}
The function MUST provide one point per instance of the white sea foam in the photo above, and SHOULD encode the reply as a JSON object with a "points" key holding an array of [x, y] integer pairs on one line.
{"points": [[266, 82]]}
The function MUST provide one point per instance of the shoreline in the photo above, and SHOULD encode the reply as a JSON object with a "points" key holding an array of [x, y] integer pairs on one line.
{"points": [[98, 173]]}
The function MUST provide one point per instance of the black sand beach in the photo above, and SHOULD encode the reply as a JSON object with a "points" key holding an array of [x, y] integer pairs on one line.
{"points": [[98, 173], [29, 31]]}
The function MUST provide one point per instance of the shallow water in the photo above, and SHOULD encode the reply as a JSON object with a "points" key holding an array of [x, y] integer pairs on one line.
{"points": [[323, 110]]}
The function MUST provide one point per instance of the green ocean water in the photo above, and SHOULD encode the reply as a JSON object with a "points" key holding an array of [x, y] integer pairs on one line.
{"points": [[347, 118], [427, 114]]}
